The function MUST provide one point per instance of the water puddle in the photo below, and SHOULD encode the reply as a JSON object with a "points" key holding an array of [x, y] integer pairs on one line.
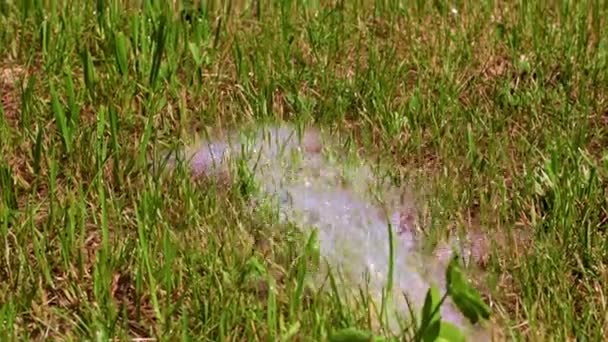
{"points": [[318, 187]]}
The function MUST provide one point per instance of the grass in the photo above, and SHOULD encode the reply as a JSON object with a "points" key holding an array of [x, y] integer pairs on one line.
{"points": [[498, 108]]}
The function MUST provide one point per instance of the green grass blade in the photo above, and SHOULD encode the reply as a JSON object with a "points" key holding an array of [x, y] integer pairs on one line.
{"points": [[61, 120]]}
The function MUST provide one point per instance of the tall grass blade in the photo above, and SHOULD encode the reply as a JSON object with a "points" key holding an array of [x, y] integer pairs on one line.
{"points": [[9, 194], [61, 120], [89, 70], [120, 53], [37, 153], [159, 40]]}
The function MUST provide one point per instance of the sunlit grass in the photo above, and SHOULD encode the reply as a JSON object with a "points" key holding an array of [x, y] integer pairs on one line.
{"points": [[495, 111]]}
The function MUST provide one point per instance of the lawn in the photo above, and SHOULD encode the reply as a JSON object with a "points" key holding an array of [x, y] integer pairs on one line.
{"points": [[496, 111]]}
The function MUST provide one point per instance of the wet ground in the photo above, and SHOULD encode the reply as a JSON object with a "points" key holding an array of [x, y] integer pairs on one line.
{"points": [[346, 202]]}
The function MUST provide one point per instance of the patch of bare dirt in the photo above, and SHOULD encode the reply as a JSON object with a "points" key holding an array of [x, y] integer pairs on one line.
{"points": [[137, 309], [9, 91]]}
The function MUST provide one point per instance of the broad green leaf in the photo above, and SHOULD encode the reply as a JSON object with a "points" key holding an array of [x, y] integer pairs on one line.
{"points": [[351, 335], [449, 333], [431, 302], [466, 298], [431, 332], [430, 315]]}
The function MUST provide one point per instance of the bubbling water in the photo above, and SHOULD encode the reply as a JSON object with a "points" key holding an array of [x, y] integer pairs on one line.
{"points": [[316, 191]]}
